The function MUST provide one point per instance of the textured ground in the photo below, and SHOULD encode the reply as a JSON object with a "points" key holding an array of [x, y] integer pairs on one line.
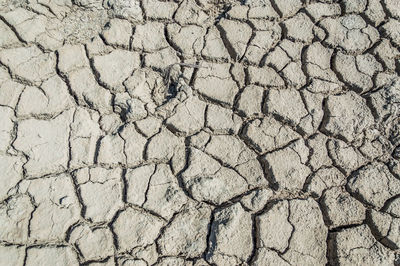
{"points": [[261, 132]]}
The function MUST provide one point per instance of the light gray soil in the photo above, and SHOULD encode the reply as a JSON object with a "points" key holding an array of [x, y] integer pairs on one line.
{"points": [[199, 132]]}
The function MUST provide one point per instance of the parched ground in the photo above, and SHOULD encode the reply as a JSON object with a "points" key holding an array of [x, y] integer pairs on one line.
{"points": [[199, 132]]}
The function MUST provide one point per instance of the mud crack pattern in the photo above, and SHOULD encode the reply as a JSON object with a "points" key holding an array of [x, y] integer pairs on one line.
{"points": [[199, 132]]}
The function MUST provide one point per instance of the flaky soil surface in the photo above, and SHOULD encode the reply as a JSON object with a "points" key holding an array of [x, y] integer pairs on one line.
{"points": [[199, 132]]}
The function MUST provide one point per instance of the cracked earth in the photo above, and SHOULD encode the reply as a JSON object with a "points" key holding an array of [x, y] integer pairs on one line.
{"points": [[199, 132]]}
